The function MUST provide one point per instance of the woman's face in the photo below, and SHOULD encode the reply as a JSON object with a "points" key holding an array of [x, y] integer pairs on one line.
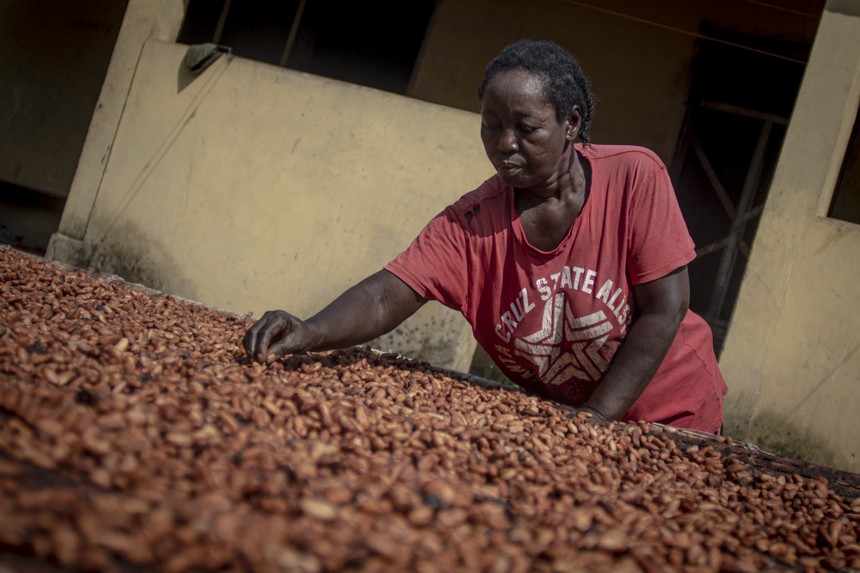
{"points": [[525, 143]]}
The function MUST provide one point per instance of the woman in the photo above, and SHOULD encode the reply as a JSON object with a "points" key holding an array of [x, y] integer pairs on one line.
{"points": [[569, 263]]}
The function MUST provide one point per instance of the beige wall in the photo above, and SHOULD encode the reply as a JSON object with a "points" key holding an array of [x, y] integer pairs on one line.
{"points": [[792, 358], [53, 57], [637, 54], [252, 187], [143, 19]]}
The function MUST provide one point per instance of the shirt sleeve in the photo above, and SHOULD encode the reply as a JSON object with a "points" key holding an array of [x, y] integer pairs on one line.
{"points": [[659, 241], [436, 264]]}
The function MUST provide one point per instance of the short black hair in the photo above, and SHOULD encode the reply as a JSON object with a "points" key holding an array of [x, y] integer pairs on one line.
{"points": [[564, 83]]}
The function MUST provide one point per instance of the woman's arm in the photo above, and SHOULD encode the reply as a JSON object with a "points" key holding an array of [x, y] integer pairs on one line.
{"points": [[662, 305], [371, 308]]}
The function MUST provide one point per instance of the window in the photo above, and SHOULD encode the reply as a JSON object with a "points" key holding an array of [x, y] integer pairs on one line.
{"points": [[369, 43], [846, 198]]}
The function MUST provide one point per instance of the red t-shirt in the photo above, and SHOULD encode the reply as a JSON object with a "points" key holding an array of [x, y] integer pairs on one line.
{"points": [[552, 321]]}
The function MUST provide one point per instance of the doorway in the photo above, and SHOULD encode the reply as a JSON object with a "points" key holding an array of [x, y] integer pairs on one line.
{"points": [[739, 106]]}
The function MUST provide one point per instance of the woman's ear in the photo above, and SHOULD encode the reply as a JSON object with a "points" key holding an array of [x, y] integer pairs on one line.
{"points": [[573, 121]]}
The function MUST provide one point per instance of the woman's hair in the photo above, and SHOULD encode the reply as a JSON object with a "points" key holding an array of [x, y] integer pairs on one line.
{"points": [[564, 83]]}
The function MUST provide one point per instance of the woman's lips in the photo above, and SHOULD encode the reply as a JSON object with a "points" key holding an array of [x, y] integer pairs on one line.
{"points": [[507, 168]]}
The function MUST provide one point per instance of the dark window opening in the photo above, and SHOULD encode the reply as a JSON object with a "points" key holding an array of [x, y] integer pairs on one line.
{"points": [[258, 30], [373, 44], [846, 199]]}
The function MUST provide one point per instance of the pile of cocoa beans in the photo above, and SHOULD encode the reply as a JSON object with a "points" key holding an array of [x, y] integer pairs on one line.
{"points": [[135, 435]]}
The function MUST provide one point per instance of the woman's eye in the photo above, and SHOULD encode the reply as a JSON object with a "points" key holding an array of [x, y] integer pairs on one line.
{"points": [[527, 128], [489, 126]]}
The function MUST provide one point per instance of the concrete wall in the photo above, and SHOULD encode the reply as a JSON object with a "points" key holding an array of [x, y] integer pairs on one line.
{"points": [[637, 54], [252, 187], [792, 357], [53, 58]]}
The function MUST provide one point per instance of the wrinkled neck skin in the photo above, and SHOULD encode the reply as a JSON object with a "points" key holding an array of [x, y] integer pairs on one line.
{"points": [[565, 190]]}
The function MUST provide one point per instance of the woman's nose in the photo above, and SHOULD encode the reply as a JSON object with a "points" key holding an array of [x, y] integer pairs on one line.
{"points": [[508, 141]]}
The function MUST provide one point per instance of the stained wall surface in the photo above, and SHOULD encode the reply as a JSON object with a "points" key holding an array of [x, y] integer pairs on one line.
{"points": [[251, 187], [793, 351]]}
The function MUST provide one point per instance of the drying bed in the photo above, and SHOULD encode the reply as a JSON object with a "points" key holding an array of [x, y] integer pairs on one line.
{"points": [[135, 436]]}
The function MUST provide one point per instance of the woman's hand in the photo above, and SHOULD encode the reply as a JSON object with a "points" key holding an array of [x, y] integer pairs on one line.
{"points": [[276, 333], [370, 309]]}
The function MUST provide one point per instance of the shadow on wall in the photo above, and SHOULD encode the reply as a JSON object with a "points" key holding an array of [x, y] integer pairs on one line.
{"points": [[783, 436], [138, 258]]}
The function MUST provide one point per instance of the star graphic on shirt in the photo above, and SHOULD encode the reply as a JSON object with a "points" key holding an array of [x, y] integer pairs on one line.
{"points": [[566, 346]]}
